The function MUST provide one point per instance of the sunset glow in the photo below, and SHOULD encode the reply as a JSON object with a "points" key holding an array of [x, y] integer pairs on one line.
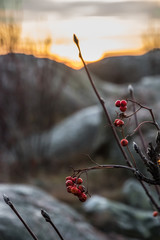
{"points": [[101, 26]]}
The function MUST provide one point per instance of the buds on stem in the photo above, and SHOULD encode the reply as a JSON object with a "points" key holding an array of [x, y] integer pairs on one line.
{"points": [[75, 39]]}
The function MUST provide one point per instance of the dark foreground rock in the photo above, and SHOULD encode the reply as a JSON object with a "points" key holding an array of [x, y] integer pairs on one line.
{"points": [[120, 218], [29, 201]]}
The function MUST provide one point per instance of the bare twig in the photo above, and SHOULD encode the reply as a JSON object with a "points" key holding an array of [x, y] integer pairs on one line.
{"points": [[150, 196], [135, 171], [87, 155], [10, 204], [134, 112], [140, 124], [108, 166], [149, 109], [48, 219], [131, 91], [102, 103]]}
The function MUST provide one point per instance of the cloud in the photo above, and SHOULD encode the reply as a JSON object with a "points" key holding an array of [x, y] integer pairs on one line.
{"points": [[95, 8], [66, 9]]}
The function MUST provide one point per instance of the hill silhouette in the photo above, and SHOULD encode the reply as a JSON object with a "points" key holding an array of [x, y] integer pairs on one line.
{"points": [[123, 69]]}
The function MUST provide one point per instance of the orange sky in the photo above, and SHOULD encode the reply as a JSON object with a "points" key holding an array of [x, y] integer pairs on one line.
{"points": [[101, 26]]}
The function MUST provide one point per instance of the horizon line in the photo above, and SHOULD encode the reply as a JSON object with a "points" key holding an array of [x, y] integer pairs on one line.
{"points": [[77, 65]]}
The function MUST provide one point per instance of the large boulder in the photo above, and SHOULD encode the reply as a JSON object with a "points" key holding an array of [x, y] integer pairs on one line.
{"points": [[29, 201], [82, 133], [113, 216], [127, 69]]}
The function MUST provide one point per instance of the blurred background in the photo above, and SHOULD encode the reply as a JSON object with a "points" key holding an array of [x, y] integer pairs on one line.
{"points": [[51, 121]]}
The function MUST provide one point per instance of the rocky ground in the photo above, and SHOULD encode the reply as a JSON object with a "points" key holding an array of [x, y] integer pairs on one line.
{"points": [[113, 219]]}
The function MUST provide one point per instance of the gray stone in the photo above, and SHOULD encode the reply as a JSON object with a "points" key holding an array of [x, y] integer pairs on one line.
{"points": [[86, 131], [113, 216], [135, 195], [127, 69], [29, 201], [81, 133]]}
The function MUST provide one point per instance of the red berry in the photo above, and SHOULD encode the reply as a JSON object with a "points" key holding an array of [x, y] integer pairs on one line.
{"points": [[74, 190], [155, 214], [69, 189], [118, 123], [69, 183], [74, 179], [123, 109], [123, 103], [68, 178], [81, 188], [115, 122], [117, 103], [124, 142], [79, 180], [78, 193], [83, 197]]}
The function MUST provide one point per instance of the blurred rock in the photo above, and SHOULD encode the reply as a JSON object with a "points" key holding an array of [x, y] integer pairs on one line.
{"points": [[87, 131], [127, 69], [82, 133], [135, 195], [42, 128], [29, 201], [113, 216]]}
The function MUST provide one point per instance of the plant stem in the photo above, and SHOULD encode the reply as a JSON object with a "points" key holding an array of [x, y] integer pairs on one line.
{"points": [[108, 166], [102, 103], [140, 124], [10, 204], [139, 129], [150, 196], [149, 109], [136, 119], [48, 219]]}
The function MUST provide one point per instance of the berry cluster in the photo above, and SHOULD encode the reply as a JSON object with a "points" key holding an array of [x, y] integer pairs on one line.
{"points": [[74, 186], [122, 104]]}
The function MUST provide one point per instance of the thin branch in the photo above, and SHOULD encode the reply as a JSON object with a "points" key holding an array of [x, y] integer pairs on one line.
{"points": [[101, 102], [135, 171], [129, 152], [149, 109], [135, 111], [10, 204], [48, 219], [132, 157], [108, 166], [144, 122], [150, 196], [87, 155], [136, 119]]}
